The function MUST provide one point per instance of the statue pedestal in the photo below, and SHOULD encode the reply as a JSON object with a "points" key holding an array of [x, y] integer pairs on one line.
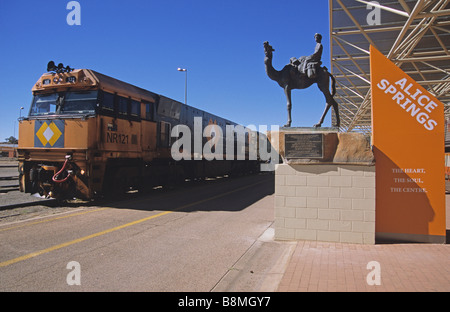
{"points": [[325, 186]]}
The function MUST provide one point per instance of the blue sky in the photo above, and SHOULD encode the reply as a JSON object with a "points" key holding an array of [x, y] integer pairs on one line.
{"points": [[143, 42]]}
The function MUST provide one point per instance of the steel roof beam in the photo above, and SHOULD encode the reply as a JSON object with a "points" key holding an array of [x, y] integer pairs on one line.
{"points": [[417, 40]]}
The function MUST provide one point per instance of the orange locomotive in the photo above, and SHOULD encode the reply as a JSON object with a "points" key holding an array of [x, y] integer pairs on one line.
{"points": [[88, 134]]}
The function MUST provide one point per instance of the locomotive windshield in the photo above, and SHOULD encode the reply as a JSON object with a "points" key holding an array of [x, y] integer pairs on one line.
{"points": [[81, 102]]}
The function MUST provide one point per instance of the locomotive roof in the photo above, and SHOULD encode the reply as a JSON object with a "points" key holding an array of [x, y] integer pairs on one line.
{"points": [[89, 79], [115, 85]]}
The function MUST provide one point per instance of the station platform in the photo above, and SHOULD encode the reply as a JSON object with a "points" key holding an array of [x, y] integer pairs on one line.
{"points": [[339, 267]]}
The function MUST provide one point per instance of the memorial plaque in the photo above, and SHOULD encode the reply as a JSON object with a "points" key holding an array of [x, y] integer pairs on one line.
{"points": [[303, 145]]}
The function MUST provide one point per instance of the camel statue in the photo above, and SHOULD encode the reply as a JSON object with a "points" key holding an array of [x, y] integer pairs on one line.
{"points": [[291, 78]]}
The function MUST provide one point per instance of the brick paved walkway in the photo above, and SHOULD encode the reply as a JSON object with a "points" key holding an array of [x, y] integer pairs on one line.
{"points": [[321, 266]]}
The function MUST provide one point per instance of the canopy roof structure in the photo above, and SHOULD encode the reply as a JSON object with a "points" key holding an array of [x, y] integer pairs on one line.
{"points": [[413, 34]]}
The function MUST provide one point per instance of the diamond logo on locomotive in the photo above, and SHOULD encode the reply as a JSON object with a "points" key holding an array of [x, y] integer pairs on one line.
{"points": [[49, 133]]}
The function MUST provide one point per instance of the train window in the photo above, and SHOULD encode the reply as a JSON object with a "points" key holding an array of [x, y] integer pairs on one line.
{"points": [[108, 101], [80, 102], [149, 111], [44, 104], [135, 108], [122, 105], [64, 103]]}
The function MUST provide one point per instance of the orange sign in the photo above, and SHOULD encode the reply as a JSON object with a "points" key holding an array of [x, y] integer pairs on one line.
{"points": [[408, 143]]}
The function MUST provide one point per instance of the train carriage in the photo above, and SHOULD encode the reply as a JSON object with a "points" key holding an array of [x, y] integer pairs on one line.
{"points": [[88, 134]]}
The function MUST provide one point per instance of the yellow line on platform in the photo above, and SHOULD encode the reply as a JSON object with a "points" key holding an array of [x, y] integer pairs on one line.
{"points": [[75, 241]]}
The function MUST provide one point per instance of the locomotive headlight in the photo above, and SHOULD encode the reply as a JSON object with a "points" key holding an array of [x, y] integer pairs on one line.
{"points": [[82, 172]]}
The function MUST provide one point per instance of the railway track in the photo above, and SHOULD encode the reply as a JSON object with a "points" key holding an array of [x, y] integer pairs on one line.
{"points": [[8, 184]]}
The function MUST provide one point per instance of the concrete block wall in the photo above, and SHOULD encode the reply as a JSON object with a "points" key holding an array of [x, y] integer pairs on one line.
{"points": [[334, 203]]}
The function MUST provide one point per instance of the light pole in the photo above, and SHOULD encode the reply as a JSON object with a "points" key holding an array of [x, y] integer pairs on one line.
{"points": [[185, 84]]}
